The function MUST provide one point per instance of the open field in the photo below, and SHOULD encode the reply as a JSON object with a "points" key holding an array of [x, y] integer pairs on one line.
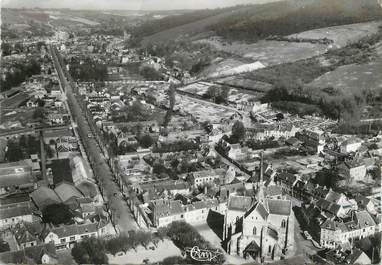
{"points": [[341, 35], [270, 52], [352, 78], [201, 26]]}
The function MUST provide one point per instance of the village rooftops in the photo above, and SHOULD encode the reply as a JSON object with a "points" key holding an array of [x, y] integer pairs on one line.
{"points": [[360, 220], [162, 208], [333, 196], [44, 196], [70, 230], [286, 178], [26, 232], [29, 255], [334, 225], [364, 219], [273, 190], [66, 132]]}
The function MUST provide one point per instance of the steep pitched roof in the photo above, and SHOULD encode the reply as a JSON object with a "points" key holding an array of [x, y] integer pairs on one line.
{"points": [[27, 232], [44, 196], [280, 207], [15, 211], [273, 190], [239, 203], [66, 191], [166, 207], [70, 230], [333, 196], [29, 254], [364, 219]]}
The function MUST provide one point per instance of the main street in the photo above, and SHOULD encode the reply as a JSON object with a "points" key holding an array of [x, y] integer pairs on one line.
{"points": [[121, 214]]}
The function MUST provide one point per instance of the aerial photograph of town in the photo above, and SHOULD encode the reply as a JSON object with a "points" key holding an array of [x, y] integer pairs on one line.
{"points": [[190, 132]]}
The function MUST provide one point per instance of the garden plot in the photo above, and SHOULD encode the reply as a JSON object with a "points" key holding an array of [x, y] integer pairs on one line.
{"points": [[352, 78]]}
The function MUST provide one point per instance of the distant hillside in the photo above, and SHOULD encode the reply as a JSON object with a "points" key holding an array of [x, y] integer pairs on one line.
{"points": [[199, 21], [254, 22], [311, 14], [173, 21]]}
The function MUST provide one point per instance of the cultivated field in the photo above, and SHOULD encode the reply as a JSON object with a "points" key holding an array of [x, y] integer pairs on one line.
{"points": [[245, 83], [354, 77], [270, 52], [341, 35]]}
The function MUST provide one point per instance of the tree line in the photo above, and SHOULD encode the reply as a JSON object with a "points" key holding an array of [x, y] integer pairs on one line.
{"points": [[250, 28], [21, 72]]}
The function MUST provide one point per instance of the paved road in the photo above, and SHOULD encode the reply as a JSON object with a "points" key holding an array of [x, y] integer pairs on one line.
{"points": [[121, 215]]}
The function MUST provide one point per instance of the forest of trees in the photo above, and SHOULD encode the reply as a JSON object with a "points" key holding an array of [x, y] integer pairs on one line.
{"points": [[217, 94], [88, 71], [150, 73], [21, 72], [315, 14], [156, 25]]}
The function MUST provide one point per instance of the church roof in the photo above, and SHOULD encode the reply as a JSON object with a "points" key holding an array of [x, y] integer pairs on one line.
{"points": [[280, 207], [240, 203], [260, 209]]}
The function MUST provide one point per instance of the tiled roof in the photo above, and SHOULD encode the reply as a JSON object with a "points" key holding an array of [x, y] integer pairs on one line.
{"points": [[14, 199], [240, 203], [334, 225], [163, 208], [262, 211], [15, 211], [66, 191], [280, 207], [333, 196], [70, 230], [273, 190], [286, 178], [29, 254], [44, 196], [364, 219], [27, 232]]}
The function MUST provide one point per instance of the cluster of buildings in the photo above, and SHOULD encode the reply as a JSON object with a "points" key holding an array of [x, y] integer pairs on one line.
{"points": [[39, 181]]}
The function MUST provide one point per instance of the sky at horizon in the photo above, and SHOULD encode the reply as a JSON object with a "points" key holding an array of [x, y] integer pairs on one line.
{"points": [[127, 4]]}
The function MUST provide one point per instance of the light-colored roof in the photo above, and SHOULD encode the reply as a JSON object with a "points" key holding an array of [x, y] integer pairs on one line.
{"points": [[66, 191], [15, 173], [44, 196], [89, 189]]}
